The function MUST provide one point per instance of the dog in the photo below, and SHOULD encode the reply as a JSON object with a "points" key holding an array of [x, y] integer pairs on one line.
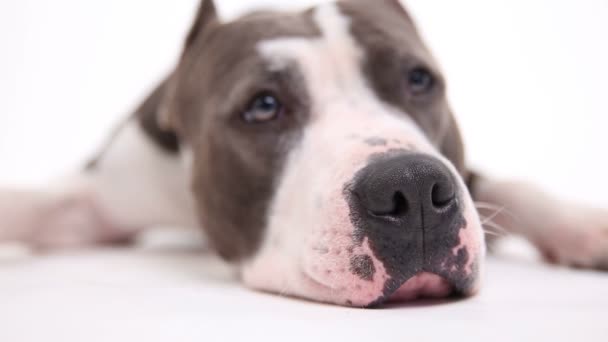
{"points": [[319, 155]]}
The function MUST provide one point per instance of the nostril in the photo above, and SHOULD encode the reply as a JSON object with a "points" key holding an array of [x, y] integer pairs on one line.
{"points": [[442, 195], [398, 208], [400, 204]]}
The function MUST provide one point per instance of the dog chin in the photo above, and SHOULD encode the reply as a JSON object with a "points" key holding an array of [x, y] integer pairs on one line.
{"points": [[366, 283], [424, 285], [327, 266]]}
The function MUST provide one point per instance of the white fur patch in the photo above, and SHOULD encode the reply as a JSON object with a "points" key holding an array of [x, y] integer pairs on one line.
{"points": [[135, 185], [139, 184]]}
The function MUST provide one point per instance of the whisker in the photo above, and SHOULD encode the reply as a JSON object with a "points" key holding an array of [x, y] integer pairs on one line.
{"points": [[501, 209], [498, 228], [495, 225], [489, 232], [493, 216], [485, 205]]}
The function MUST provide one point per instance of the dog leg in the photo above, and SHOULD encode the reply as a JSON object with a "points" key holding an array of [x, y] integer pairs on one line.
{"points": [[133, 185], [565, 233]]}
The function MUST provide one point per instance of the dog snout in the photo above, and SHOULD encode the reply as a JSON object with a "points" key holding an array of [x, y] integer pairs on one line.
{"points": [[408, 208], [413, 191]]}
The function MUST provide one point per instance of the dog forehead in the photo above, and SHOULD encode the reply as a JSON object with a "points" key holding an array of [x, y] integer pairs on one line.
{"points": [[336, 63], [330, 63], [343, 101]]}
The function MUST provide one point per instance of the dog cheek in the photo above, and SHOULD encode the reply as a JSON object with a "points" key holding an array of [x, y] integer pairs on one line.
{"points": [[324, 264]]}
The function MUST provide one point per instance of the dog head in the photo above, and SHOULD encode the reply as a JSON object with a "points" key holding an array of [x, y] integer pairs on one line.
{"points": [[326, 162]]}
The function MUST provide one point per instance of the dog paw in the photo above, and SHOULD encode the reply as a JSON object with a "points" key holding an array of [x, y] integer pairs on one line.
{"points": [[582, 241]]}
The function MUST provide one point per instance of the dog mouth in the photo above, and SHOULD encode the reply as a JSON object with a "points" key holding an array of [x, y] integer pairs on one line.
{"points": [[422, 286]]}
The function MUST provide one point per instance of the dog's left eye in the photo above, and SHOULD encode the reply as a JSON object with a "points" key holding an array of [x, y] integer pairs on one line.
{"points": [[420, 81], [262, 109]]}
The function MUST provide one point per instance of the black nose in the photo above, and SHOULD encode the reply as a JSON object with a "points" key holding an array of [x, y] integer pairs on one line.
{"points": [[410, 191], [408, 208]]}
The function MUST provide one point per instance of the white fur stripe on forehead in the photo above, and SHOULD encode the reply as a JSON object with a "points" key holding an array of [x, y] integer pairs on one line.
{"points": [[333, 57], [332, 23]]}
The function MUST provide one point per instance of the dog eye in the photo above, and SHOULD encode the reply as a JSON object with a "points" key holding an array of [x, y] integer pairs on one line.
{"points": [[420, 81], [262, 109]]}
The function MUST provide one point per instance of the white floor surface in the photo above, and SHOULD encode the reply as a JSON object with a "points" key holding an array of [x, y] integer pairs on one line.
{"points": [[153, 295]]}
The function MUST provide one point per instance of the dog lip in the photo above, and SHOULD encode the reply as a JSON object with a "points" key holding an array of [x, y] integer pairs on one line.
{"points": [[423, 285]]}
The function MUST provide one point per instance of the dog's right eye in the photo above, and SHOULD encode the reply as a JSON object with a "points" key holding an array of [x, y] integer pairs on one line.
{"points": [[263, 108], [420, 81]]}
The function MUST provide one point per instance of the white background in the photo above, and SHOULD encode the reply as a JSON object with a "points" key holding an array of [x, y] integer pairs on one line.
{"points": [[528, 80]]}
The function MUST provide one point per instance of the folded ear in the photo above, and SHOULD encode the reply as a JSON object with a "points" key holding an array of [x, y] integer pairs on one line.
{"points": [[205, 16], [164, 117]]}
